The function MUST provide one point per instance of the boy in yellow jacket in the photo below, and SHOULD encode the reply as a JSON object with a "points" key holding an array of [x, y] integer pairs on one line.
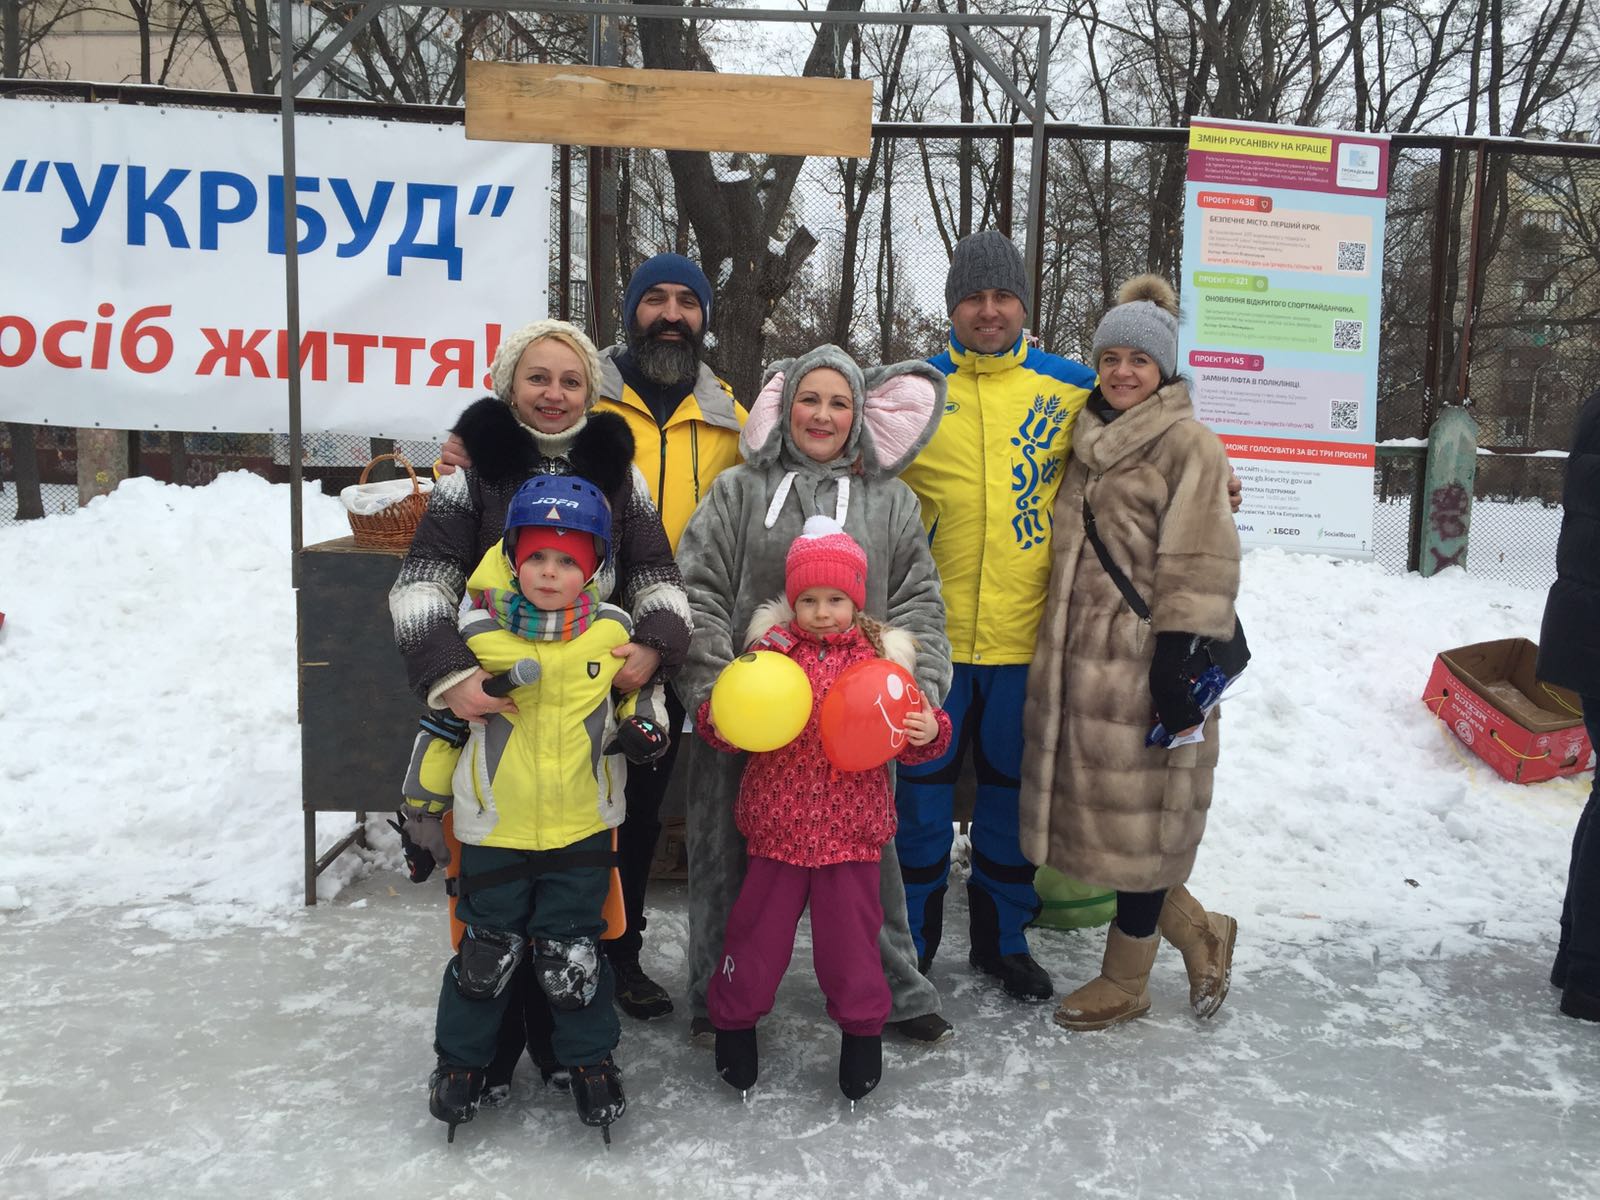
{"points": [[536, 793]]}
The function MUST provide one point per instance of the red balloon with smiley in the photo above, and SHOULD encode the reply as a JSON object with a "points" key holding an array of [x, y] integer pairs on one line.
{"points": [[863, 717]]}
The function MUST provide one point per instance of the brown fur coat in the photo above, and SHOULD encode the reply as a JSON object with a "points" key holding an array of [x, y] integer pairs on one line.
{"points": [[1096, 804]]}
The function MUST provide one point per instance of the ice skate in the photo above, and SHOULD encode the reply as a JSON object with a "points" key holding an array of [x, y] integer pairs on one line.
{"points": [[737, 1061], [860, 1066], [453, 1094], [597, 1089]]}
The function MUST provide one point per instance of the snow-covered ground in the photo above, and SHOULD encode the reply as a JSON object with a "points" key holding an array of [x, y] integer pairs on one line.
{"points": [[174, 1023]]}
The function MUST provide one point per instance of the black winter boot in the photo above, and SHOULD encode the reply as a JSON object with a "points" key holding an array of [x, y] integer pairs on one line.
{"points": [[737, 1061], [860, 1065], [453, 1094], [641, 997], [1578, 1003], [597, 1088], [1020, 976]]}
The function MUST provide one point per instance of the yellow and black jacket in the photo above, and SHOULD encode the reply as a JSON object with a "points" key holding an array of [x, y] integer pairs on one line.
{"points": [[678, 460], [537, 779], [987, 482]]}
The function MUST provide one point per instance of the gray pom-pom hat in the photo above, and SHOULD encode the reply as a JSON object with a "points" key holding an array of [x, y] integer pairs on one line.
{"points": [[1145, 318]]}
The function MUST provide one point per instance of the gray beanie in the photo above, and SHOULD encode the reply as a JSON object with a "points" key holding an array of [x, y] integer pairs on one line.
{"points": [[985, 260], [1145, 318]]}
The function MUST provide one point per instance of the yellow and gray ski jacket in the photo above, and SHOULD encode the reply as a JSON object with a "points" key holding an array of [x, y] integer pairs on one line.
{"points": [[536, 779], [987, 482], [679, 459]]}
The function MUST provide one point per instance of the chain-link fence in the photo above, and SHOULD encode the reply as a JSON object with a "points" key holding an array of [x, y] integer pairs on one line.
{"points": [[873, 281]]}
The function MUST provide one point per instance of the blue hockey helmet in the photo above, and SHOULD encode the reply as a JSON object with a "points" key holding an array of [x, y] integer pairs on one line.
{"points": [[565, 502]]}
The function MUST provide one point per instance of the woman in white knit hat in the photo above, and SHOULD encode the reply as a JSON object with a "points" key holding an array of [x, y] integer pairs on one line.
{"points": [[1097, 803], [540, 421]]}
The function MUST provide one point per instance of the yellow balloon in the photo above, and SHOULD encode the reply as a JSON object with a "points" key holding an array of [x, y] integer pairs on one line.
{"points": [[761, 701]]}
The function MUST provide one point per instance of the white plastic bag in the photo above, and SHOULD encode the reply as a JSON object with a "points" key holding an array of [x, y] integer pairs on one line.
{"points": [[364, 499]]}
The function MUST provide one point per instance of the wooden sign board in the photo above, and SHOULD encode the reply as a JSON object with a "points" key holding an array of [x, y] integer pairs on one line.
{"points": [[668, 110]]}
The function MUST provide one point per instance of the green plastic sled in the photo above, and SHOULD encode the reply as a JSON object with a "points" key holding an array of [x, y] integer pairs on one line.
{"points": [[1069, 904]]}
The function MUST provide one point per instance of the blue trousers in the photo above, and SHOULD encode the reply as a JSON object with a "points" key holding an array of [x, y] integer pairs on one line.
{"points": [[985, 709], [1578, 954]]}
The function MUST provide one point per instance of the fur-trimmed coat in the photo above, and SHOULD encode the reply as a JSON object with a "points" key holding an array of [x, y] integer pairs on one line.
{"points": [[1095, 802], [794, 805], [466, 515]]}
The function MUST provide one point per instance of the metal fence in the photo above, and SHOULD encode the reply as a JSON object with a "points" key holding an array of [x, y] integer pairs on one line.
{"points": [[1495, 301]]}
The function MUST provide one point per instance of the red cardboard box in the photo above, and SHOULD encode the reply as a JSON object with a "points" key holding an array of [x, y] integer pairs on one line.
{"points": [[1527, 730]]}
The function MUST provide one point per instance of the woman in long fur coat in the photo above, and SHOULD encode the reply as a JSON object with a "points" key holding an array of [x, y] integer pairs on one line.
{"points": [[1097, 803]]}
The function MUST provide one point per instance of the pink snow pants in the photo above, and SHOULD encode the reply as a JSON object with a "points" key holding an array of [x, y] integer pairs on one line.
{"points": [[845, 919]]}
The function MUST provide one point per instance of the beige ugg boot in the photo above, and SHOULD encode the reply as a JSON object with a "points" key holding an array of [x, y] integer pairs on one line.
{"points": [[1206, 940], [1118, 993]]}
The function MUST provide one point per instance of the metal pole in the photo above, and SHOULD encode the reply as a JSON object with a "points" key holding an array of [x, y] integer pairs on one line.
{"points": [[291, 282], [1441, 243], [564, 226], [1035, 250], [1464, 376], [1008, 155]]}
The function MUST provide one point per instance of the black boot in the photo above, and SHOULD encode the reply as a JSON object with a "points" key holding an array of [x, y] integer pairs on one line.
{"points": [[737, 1061], [1575, 1002], [597, 1088], [1019, 975], [641, 997], [929, 1029], [453, 1094], [860, 1065]]}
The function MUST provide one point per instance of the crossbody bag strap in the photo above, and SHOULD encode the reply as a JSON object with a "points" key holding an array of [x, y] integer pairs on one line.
{"points": [[1124, 585]]}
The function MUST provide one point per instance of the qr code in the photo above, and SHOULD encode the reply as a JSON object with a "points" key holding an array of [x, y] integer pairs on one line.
{"points": [[1344, 414], [1347, 334], [1352, 256]]}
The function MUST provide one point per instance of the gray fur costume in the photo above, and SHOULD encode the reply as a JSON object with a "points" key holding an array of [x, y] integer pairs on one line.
{"points": [[732, 558]]}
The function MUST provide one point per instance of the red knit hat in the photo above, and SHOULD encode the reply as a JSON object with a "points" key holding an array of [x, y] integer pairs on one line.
{"points": [[824, 555], [578, 544]]}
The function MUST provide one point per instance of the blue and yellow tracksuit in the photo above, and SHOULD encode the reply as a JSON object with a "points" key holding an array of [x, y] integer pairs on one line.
{"points": [[526, 789], [987, 482]]}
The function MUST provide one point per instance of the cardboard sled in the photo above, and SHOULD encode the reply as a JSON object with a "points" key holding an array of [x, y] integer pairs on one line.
{"points": [[1527, 730]]}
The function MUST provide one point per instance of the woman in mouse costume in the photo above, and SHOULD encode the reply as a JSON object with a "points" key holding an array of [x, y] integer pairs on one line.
{"points": [[826, 438]]}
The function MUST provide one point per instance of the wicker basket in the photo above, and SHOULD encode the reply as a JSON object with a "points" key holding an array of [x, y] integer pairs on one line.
{"points": [[392, 527]]}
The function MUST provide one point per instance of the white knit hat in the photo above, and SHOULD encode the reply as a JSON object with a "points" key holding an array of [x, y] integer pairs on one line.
{"points": [[504, 368]]}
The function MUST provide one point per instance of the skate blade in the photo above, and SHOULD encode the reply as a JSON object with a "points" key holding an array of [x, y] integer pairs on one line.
{"points": [[605, 1132], [451, 1136]]}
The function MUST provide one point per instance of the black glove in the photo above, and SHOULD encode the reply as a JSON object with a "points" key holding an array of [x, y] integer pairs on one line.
{"points": [[447, 727], [422, 841], [640, 740], [1171, 682]]}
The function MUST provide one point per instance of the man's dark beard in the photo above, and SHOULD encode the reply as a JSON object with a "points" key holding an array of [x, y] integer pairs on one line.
{"points": [[666, 362]]}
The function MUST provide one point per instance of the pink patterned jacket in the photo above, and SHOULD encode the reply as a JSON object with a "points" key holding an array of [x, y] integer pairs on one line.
{"points": [[794, 805]]}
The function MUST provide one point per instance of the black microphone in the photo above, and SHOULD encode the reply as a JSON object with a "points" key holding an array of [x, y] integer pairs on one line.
{"points": [[523, 672]]}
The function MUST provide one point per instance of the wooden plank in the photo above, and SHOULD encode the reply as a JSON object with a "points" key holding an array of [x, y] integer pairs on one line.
{"points": [[668, 110]]}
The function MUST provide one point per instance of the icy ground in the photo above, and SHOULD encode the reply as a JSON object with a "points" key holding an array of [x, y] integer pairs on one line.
{"points": [[174, 1024]]}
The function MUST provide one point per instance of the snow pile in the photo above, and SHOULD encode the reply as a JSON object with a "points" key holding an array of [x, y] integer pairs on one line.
{"points": [[150, 753], [1344, 811]]}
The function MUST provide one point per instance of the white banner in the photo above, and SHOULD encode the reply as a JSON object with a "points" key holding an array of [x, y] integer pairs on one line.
{"points": [[143, 276]]}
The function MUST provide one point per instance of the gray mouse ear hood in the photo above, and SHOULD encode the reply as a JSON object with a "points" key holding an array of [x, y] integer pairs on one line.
{"points": [[897, 409], [766, 438]]}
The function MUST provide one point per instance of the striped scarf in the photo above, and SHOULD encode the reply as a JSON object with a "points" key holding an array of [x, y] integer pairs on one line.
{"points": [[516, 612]]}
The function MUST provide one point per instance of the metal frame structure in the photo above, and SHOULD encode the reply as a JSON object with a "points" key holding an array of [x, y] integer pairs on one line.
{"points": [[291, 83]]}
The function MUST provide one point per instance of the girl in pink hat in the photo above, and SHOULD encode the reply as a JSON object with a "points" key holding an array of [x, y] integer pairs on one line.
{"points": [[815, 833]]}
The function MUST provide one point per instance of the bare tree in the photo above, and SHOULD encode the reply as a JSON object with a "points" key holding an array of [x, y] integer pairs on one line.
{"points": [[738, 214]]}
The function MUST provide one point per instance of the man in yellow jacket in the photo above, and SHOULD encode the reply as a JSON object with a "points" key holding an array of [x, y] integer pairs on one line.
{"points": [[987, 481], [685, 425]]}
